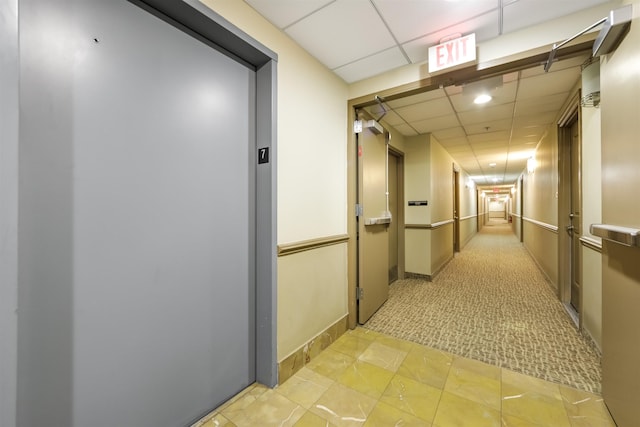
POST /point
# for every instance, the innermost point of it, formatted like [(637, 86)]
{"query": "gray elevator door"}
[(146, 242)]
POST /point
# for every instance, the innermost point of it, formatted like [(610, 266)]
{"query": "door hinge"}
[(359, 294), (358, 210)]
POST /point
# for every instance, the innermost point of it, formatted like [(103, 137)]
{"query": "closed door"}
[(393, 208), (373, 234), (138, 210), (575, 218)]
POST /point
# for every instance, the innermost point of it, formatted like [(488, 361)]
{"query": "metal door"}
[(137, 205), (373, 236)]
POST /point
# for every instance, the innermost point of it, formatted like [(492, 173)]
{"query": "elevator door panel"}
[(157, 207)]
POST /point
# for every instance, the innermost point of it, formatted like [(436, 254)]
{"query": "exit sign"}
[(452, 53)]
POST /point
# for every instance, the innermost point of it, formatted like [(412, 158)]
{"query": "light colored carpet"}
[(491, 303)]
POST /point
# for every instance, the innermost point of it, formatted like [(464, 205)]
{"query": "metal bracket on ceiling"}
[(616, 26), (380, 102)]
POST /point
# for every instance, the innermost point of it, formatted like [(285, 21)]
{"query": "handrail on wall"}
[(614, 233)]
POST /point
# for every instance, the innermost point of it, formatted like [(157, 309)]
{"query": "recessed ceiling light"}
[(482, 99), (492, 165)]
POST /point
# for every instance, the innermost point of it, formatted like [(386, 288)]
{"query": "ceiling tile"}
[(451, 133), (437, 123), (406, 130), (501, 137), (372, 65), (495, 125), (548, 84), (525, 13), (485, 27), (426, 110), (343, 32), (484, 114), (282, 13), (412, 19)]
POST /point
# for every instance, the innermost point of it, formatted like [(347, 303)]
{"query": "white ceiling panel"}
[(481, 115), (501, 138), (283, 13), (426, 110), (548, 84), (437, 123), (372, 65), (409, 20), (451, 133), (493, 125), (525, 13), (485, 27), (343, 32)]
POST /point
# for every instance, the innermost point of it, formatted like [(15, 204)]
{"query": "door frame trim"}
[(570, 115), (202, 23)]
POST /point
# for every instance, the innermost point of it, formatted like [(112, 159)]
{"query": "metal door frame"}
[(207, 26)]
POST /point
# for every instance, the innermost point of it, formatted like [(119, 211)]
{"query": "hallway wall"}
[(429, 229), (591, 214), (541, 206)]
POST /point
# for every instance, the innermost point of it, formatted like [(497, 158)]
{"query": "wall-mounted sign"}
[(418, 203), (452, 53)]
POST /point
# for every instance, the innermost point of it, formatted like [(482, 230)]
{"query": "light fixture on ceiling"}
[(492, 165), (531, 165), (483, 98)]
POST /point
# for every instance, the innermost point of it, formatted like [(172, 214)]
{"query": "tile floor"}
[(370, 379)]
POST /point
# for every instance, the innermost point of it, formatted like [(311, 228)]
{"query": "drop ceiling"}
[(357, 39)]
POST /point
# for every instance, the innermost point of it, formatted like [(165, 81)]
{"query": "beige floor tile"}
[(477, 367), (270, 409), (514, 383), (386, 415), (242, 400), (585, 409), (331, 363), (366, 378), (214, 420), (366, 333), (312, 420), (412, 397), (383, 356), (427, 366), (305, 387), (343, 406), (474, 386), (351, 344), (536, 408), (454, 411), (513, 421), (396, 343)]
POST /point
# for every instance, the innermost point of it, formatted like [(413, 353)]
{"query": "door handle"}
[(569, 229)]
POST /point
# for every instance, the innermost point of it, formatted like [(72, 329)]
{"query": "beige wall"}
[(541, 206), (429, 176), (591, 214), (312, 191)]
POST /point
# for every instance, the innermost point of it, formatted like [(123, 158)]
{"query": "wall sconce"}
[(531, 165)]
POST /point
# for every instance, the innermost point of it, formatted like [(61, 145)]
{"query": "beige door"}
[(373, 233), (456, 211), (393, 208), (620, 91)]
